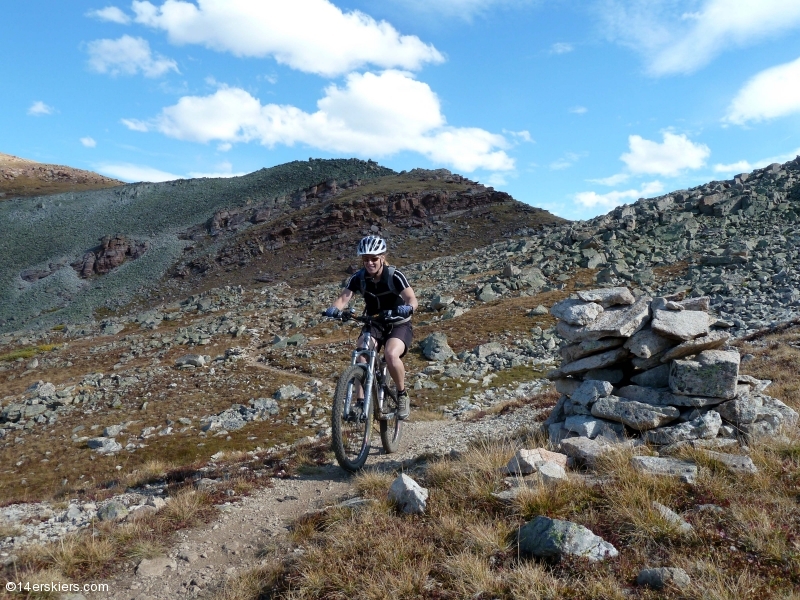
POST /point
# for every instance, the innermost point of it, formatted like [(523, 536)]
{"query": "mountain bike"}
[(365, 391)]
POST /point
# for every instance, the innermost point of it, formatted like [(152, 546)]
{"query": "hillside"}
[(217, 383), (69, 255), (22, 178)]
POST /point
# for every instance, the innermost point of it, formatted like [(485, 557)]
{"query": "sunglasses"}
[(370, 259)]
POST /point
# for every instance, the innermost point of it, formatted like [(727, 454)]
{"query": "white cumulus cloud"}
[(314, 36), (224, 169), (561, 48), (741, 166), (88, 142), (675, 154), (111, 14), (522, 136), (128, 56), (566, 161), (372, 115), (614, 199), (39, 108), (682, 36), (772, 93), (132, 172), (612, 180)]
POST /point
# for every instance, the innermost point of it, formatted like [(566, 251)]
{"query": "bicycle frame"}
[(371, 356)]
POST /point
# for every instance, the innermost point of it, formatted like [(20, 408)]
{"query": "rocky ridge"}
[(45, 236), (20, 177)]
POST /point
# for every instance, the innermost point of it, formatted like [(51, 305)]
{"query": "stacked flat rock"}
[(653, 369)]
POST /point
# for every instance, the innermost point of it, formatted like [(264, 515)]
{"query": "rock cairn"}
[(654, 369)]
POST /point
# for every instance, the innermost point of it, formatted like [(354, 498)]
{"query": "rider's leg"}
[(394, 349)]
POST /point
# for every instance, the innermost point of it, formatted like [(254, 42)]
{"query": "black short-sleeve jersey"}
[(378, 296)]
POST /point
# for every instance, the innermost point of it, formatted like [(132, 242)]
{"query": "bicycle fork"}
[(369, 367)]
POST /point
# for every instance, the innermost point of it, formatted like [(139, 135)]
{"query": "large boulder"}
[(680, 325), (584, 450), (742, 409), (596, 361), (553, 539), (607, 297), (590, 391), (614, 322), (663, 397), (703, 427), (635, 415), (647, 343), (574, 352), (714, 373), (576, 312), (715, 339)]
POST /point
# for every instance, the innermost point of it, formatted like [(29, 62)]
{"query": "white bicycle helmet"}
[(372, 244)]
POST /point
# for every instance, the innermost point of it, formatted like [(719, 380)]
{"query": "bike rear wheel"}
[(351, 432), (391, 429)]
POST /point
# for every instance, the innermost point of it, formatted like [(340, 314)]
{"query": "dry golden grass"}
[(99, 551), (186, 509), (152, 470), (372, 483), (40, 586), (75, 556), (250, 584), (463, 547), (9, 531), (777, 358)]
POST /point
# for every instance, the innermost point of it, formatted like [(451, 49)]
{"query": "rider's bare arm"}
[(344, 299), (409, 297)]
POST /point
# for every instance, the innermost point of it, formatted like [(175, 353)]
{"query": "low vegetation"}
[(743, 543), (28, 352)]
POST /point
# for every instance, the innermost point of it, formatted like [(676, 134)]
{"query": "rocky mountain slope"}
[(22, 178), (68, 255), (232, 356)]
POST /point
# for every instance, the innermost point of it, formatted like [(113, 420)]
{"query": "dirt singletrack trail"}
[(244, 531)]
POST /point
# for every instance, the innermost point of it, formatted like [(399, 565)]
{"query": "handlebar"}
[(350, 315)]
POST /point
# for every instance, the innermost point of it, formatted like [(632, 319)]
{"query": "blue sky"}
[(573, 106)]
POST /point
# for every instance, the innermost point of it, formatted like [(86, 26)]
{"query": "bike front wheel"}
[(391, 429), (351, 432)]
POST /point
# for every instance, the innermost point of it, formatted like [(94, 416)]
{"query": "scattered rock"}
[(663, 578), (408, 495), (155, 567), (655, 465), (434, 347), (553, 539)]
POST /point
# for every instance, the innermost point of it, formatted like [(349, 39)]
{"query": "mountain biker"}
[(386, 291)]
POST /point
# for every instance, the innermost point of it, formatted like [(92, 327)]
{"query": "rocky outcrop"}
[(112, 252)]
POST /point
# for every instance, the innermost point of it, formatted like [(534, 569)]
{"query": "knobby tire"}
[(392, 429), (351, 435)]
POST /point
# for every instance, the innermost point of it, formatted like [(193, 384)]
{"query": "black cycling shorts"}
[(403, 332)]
